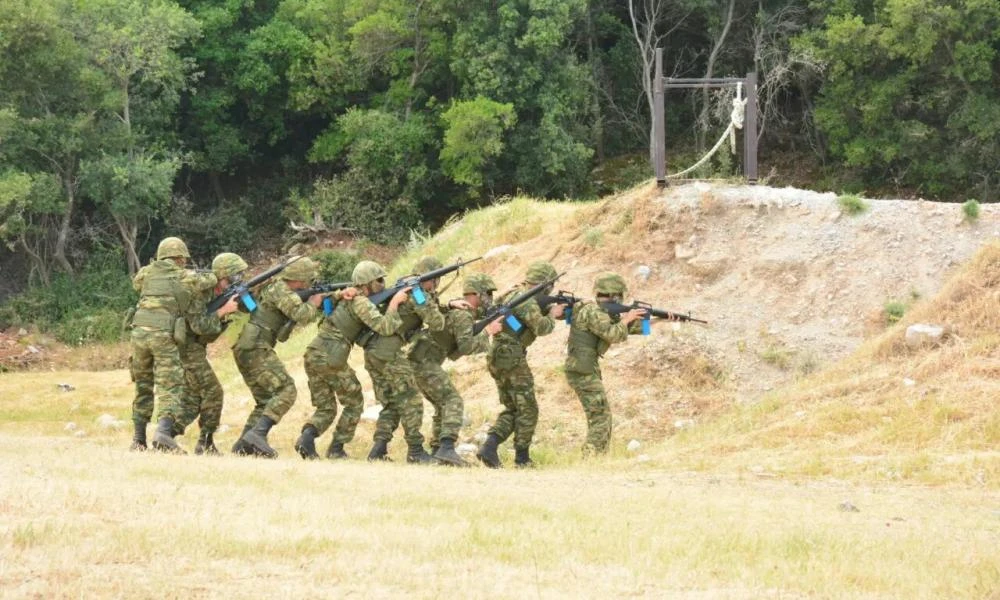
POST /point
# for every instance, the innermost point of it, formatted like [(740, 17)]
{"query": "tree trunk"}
[(128, 229), (62, 236), (709, 70)]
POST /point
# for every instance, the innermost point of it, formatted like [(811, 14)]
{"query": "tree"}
[(473, 138)]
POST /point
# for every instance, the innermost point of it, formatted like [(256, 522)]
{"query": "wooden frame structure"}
[(660, 85)]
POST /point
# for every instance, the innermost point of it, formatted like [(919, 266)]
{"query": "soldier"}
[(392, 375), (594, 330), (330, 377), (204, 392), (158, 328), (429, 350), (279, 309), (508, 364)]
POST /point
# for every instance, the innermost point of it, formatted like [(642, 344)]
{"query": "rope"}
[(735, 122)]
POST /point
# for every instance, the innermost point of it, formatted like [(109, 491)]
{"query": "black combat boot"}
[(416, 455), (256, 438), (336, 451), (488, 452), (522, 459), (445, 454), (306, 444), (206, 443), (163, 438), (241, 448), (139, 437), (380, 451)]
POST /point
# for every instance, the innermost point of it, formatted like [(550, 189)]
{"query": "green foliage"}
[(336, 265), (221, 229), (473, 136), (593, 237), (852, 204), (87, 307), (971, 210), (894, 311)]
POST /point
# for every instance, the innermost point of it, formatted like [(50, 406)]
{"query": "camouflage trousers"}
[(156, 363), (436, 386), (590, 390), (203, 400), (516, 387), (330, 379), (272, 388), (396, 391)]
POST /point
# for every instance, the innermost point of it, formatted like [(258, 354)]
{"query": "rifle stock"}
[(414, 281), (506, 310), (242, 289)]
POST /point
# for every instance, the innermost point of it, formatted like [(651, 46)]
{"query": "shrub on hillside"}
[(971, 210), (852, 204), (336, 265)]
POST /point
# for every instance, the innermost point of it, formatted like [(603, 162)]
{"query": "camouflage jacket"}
[(276, 305), (453, 341), (534, 323), (591, 333), (412, 317)]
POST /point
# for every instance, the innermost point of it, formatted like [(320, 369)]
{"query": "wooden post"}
[(659, 128), (750, 129)]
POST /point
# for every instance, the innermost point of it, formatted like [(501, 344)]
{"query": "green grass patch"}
[(852, 204)]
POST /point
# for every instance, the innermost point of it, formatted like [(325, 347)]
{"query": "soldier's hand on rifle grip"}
[(398, 299), (348, 293), (316, 300), (232, 305), (633, 315), (494, 327), (459, 303), (556, 311)]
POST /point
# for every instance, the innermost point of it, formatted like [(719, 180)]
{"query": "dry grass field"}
[(794, 448)]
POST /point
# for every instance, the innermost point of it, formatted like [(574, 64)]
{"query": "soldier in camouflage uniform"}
[(330, 377), (158, 328), (591, 333), (429, 350), (279, 309), (392, 375), (204, 392), (508, 364)]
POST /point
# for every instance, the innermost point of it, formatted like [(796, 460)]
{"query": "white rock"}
[(922, 334), (909, 382), (683, 423), (633, 446), (223, 429), (79, 433), (642, 458), (33, 350), (496, 251), (466, 448), (69, 426), (800, 414), (22, 332), (643, 272), (65, 387), (480, 437), (371, 413), (107, 421)]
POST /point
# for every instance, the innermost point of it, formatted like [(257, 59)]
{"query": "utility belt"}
[(162, 321)]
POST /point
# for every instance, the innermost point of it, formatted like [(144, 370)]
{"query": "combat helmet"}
[(172, 247), (228, 265), (539, 272), (610, 284), (478, 283), (427, 264), (303, 269), (366, 272)]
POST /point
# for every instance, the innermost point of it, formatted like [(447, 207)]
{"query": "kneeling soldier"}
[(591, 333), (278, 310)]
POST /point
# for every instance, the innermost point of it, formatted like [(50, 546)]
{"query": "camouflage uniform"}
[(392, 374), (155, 352), (203, 399), (273, 389), (427, 355), (591, 333), (330, 377), (508, 364)]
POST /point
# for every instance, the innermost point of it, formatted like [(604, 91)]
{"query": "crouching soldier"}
[(279, 309), (592, 332), (429, 350), (508, 364), (330, 377), (392, 374), (158, 329), (204, 392)]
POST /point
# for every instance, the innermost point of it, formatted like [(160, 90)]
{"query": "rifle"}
[(413, 282), (565, 298), (241, 289), (324, 288), (616, 308), (507, 310)]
